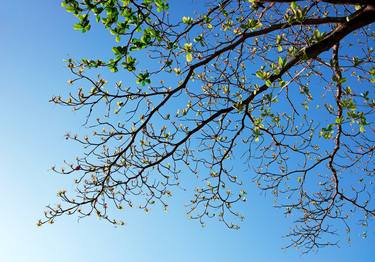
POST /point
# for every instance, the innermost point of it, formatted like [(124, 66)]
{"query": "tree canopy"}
[(284, 87)]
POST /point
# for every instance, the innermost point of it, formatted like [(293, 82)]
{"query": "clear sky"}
[(35, 38)]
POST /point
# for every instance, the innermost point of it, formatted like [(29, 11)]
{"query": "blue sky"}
[(35, 38)]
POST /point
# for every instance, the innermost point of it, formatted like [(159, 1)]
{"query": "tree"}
[(284, 87)]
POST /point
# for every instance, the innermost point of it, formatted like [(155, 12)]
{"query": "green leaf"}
[(259, 74), (293, 6), (189, 57), (70, 9), (188, 47), (338, 120), (77, 27)]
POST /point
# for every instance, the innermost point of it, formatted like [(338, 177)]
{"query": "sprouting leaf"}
[(187, 20), (189, 57)]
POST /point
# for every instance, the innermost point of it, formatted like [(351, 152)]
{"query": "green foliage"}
[(143, 78)]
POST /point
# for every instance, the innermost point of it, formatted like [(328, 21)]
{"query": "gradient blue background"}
[(35, 37)]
